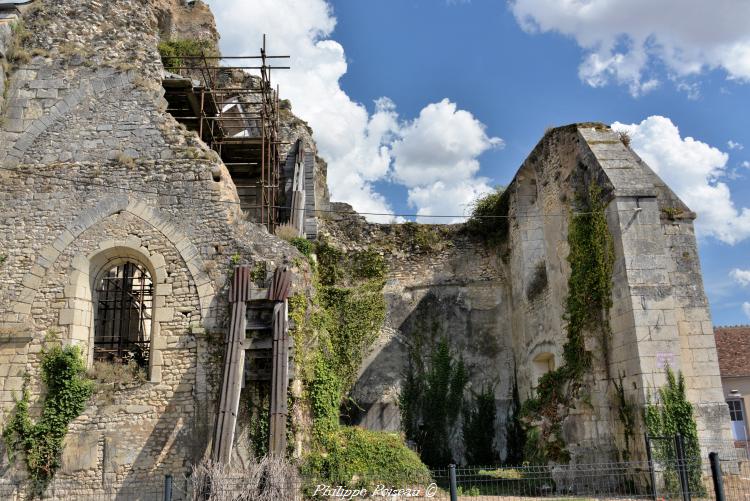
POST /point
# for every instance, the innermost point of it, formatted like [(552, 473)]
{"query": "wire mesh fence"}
[(685, 479)]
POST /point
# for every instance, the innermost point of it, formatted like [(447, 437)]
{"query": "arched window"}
[(124, 300), (543, 363)]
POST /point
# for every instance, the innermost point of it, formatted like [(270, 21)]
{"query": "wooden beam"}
[(234, 368)]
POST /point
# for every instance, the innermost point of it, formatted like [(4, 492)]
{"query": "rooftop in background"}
[(733, 349)]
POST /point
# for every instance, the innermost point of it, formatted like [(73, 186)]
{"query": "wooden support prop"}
[(234, 367), (279, 293)]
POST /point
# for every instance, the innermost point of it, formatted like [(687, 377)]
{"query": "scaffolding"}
[(240, 123)]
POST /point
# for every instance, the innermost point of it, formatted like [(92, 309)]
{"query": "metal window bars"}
[(124, 300), (240, 123)]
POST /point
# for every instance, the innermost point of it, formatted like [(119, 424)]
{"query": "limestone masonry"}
[(95, 174)]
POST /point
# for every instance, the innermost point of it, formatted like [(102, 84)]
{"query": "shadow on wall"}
[(441, 313)]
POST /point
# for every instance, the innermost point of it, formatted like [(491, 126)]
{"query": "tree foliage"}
[(431, 401)]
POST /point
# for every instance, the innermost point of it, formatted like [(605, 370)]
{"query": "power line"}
[(333, 211)]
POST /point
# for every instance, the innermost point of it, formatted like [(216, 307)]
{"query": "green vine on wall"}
[(333, 330), (63, 371), (587, 306), (626, 413), (672, 414)]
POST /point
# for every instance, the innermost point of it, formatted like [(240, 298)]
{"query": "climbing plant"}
[(671, 414), (63, 371), (336, 325), (431, 400), (587, 306), (259, 406), (626, 413)]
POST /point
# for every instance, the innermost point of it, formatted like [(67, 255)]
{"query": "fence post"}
[(167, 487), (452, 477), (682, 467), (713, 458), (650, 466)]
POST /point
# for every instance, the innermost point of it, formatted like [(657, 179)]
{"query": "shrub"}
[(489, 217), (479, 429), (173, 51), (672, 415), (303, 245), (430, 401), (356, 457)]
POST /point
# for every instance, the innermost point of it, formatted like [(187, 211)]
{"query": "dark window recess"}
[(124, 300), (735, 410)]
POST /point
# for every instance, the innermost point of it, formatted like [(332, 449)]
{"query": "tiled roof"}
[(733, 347)]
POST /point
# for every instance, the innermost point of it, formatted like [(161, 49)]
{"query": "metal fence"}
[(725, 476)]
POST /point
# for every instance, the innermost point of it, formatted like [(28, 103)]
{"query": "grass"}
[(116, 373)]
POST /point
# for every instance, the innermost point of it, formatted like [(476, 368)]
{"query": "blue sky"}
[(421, 105)]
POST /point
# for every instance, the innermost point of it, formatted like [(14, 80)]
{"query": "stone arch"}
[(104, 208), (95, 86), (78, 314)]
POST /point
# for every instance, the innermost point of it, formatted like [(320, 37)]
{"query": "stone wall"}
[(504, 307), (94, 172), (441, 284)]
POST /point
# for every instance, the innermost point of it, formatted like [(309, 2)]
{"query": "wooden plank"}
[(234, 368), (279, 381)]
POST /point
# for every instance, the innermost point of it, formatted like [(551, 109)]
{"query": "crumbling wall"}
[(503, 307), (440, 284), (93, 170)]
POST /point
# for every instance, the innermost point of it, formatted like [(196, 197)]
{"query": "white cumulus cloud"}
[(693, 170), (360, 146), (624, 40), (742, 277), (733, 145), (746, 308), (436, 157)]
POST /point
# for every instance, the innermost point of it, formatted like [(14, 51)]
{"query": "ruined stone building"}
[(107, 191)]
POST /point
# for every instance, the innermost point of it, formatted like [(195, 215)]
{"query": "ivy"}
[(626, 413), (259, 409), (63, 371), (333, 330), (431, 400), (587, 306), (670, 415)]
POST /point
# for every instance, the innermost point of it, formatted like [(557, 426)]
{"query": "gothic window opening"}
[(124, 305)]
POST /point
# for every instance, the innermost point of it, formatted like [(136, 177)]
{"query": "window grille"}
[(124, 300)]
